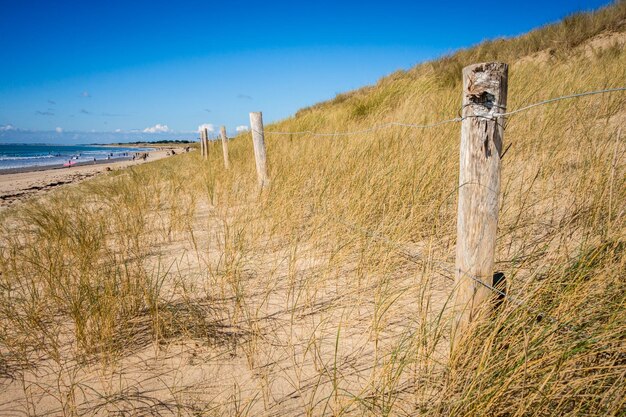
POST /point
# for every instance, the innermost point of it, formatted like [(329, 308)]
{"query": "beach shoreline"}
[(39, 168), (18, 184)]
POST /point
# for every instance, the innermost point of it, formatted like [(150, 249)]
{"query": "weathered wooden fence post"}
[(225, 147), (484, 94), (206, 143), (202, 143), (258, 140)]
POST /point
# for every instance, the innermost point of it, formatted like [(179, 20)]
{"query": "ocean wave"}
[(20, 158)]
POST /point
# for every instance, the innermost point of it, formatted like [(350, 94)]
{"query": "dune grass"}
[(179, 288)]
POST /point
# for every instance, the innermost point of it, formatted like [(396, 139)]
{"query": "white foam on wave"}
[(20, 158)]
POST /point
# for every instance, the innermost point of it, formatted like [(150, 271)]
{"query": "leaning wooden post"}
[(206, 143), (484, 95), (225, 147), (258, 140)]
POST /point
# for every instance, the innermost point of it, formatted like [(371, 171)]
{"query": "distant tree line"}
[(160, 141), (139, 142)]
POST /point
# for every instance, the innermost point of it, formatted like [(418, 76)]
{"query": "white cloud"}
[(59, 130), (207, 126), (157, 128), (242, 128), (7, 127), (118, 130)]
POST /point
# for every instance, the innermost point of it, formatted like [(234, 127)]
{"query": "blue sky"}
[(86, 71)]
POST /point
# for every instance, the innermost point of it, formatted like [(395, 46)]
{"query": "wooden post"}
[(225, 147), (206, 143), (202, 143), (258, 140), (484, 93)]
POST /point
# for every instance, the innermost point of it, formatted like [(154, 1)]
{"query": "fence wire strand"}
[(451, 269), (368, 130), (443, 122), (552, 100)]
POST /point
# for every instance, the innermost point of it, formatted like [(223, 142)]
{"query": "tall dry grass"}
[(178, 287)]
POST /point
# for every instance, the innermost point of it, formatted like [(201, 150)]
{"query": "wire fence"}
[(494, 115), (448, 267)]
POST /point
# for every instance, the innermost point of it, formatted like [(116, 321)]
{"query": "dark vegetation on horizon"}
[(149, 142)]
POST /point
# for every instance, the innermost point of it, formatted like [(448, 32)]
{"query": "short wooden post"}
[(206, 143), (225, 147), (202, 143), (258, 140), (484, 94)]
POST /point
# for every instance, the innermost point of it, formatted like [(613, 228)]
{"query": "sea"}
[(36, 155)]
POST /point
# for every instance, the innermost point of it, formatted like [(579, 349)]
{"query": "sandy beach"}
[(20, 184)]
